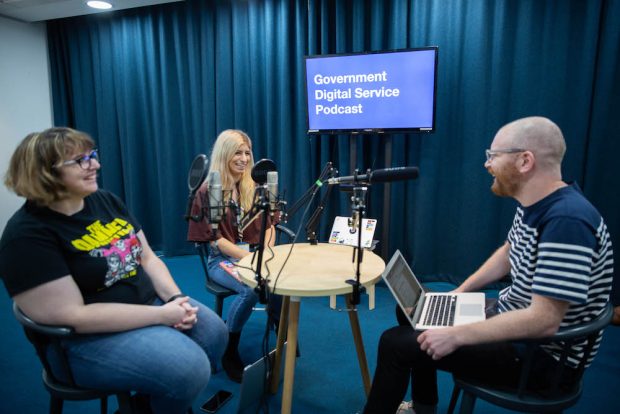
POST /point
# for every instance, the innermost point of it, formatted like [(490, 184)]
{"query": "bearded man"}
[(559, 257)]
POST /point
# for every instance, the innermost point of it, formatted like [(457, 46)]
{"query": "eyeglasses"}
[(492, 153), (84, 161)]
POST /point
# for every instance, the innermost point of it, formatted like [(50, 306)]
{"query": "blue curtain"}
[(155, 85)]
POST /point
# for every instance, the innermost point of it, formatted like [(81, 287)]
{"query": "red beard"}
[(506, 183)]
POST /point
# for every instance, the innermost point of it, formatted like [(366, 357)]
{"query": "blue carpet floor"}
[(327, 376)]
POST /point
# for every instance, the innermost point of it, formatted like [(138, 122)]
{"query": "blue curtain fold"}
[(155, 85)]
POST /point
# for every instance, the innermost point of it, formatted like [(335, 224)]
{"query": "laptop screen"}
[(404, 285)]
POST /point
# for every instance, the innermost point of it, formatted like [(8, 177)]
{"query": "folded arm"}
[(60, 302)]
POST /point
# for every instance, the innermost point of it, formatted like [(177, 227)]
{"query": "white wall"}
[(25, 98)]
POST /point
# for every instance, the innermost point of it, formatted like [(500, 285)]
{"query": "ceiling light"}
[(103, 5)]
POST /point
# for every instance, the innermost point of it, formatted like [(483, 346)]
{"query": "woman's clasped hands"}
[(180, 314)]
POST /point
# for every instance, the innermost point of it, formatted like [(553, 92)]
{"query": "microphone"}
[(215, 198), (272, 190), (353, 222), (385, 175), (358, 200)]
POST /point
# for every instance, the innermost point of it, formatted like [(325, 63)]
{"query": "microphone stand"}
[(261, 283), (327, 172), (359, 210), (313, 221), (199, 217)]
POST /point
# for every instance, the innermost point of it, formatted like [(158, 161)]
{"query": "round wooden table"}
[(311, 270)]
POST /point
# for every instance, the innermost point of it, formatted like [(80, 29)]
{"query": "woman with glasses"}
[(74, 255), (232, 158)]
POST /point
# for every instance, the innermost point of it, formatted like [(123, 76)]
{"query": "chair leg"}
[(219, 306), (55, 405), (124, 403), (104, 405), (453, 400), (467, 403)]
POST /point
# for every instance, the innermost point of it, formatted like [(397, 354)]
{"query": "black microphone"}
[(379, 176), (215, 198), (272, 190)]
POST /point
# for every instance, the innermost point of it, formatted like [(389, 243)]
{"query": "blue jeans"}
[(171, 366), (240, 309)]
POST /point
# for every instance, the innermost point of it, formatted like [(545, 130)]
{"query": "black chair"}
[(220, 292), (523, 399), (44, 336)]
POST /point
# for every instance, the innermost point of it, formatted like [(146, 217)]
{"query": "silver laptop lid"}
[(255, 378), (408, 292)]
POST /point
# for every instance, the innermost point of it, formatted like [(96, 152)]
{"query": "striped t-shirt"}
[(560, 248)]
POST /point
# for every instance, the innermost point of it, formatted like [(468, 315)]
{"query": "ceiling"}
[(39, 10)]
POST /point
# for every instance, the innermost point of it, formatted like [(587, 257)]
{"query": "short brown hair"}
[(32, 169)]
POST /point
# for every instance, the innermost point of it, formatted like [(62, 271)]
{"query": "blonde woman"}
[(232, 158)]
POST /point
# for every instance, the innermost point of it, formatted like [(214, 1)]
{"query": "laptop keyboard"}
[(441, 310)]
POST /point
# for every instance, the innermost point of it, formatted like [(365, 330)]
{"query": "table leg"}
[(275, 373), (371, 297), (291, 348), (359, 344)]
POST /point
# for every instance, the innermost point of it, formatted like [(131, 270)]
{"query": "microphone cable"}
[(264, 403), (265, 341)]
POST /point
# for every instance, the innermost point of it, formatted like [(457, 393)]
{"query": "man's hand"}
[(438, 342)]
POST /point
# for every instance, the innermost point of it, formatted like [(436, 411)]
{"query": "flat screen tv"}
[(377, 92)]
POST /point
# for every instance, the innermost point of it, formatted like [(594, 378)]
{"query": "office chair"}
[(524, 400), (42, 336)]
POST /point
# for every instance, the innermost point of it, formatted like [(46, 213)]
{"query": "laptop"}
[(429, 310), (342, 233), (255, 377)]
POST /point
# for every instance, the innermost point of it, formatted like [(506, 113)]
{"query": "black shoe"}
[(140, 404), (231, 361), (232, 364)]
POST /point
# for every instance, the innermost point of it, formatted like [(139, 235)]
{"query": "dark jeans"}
[(400, 359)]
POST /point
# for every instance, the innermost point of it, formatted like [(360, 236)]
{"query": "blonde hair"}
[(32, 169), (226, 144)]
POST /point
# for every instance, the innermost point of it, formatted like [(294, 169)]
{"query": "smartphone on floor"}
[(216, 401)]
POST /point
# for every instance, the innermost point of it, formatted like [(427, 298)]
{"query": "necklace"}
[(237, 209)]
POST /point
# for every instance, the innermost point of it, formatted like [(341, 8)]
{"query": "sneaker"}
[(405, 407)]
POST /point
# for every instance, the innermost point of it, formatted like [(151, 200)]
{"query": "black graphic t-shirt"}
[(97, 246)]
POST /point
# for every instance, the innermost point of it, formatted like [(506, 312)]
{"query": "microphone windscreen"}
[(395, 174), (260, 170), (197, 172)]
